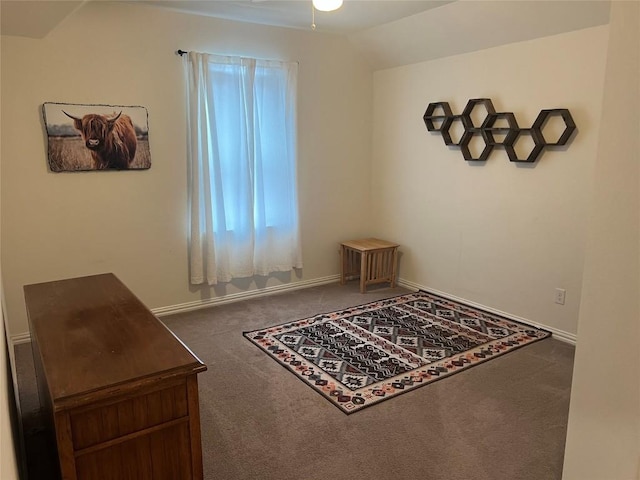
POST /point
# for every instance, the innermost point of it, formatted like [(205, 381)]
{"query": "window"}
[(242, 155)]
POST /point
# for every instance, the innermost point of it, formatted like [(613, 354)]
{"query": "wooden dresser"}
[(120, 389)]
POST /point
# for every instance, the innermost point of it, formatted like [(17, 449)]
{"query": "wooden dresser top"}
[(96, 338)]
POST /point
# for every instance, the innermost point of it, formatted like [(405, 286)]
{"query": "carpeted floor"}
[(502, 420)]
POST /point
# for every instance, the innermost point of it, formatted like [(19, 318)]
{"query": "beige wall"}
[(8, 450), (498, 234), (603, 438), (8, 460), (134, 223), (8, 464)]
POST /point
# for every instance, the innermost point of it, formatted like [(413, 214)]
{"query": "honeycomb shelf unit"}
[(496, 129)]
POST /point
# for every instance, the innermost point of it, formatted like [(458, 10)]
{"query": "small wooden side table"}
[(373, 260)]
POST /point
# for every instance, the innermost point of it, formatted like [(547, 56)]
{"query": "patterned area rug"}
[(363, 355)]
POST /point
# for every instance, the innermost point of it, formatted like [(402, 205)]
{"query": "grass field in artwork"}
[(69, 154)]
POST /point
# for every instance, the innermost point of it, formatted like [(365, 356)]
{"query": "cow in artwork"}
[(111, 139)]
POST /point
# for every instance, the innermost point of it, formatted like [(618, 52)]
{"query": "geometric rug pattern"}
[(360, 356)]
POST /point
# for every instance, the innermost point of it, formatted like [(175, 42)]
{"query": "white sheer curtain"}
[(241, 147)]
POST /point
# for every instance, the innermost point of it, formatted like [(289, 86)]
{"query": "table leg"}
[(394, 267), (364, 260)]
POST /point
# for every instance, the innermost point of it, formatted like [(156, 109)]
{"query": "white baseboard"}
[(20, 338), (236, 297), (557, 334)]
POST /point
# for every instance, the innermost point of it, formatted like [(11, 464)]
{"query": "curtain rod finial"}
[(181, 52)]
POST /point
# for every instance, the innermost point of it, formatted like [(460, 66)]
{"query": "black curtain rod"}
[(183, 52)]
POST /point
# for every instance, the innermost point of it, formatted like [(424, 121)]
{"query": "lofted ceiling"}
[(353, 16), (36, 19), (388, 33)]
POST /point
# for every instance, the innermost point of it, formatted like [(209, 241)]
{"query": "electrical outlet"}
[(560, 295)]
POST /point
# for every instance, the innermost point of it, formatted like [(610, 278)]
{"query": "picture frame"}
[(96, 137)]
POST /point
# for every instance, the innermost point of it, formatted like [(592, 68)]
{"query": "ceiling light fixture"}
[(327, 5), (324, 6)]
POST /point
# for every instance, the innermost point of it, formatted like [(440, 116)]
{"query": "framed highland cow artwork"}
[(96, 137)]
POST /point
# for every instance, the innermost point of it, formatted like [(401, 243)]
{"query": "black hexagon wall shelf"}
[(438, 117), (477, 104), (466, 151), (429, 117), (569, 125), (489, 129), (446, 128), (536, 150)]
